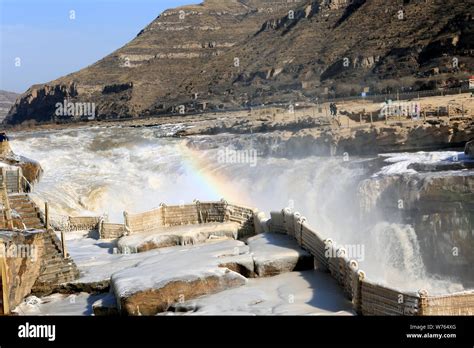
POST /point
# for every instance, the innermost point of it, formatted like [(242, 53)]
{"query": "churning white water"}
[(109, 170)]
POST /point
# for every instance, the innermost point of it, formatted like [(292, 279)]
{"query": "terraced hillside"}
[(227, 53)]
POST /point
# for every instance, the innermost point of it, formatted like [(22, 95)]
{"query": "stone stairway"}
[(55, 269), (12, 178), (27, 209)]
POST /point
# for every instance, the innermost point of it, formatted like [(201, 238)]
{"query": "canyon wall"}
[(439, 207)]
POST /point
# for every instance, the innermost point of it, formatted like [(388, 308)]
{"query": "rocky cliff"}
[(439, 206), (227, 53), (7, 99), (305, 137), (31, 169)]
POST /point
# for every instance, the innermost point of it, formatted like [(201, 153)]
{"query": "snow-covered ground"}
[(178, 235), (398, 163), (96, 259), (178, 264), (277, 253), (295, 293), (59, 304)]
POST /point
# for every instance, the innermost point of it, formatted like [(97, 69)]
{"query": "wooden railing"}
[(368, 297), (190, 214), (109, 230)]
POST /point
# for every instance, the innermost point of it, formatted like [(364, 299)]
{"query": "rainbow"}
[(210, 178)]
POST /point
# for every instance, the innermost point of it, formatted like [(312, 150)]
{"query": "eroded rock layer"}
[(230, 53)]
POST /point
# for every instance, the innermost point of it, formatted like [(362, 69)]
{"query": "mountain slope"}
[(342, 51), (146, 71), (7, 99), (225, 53)]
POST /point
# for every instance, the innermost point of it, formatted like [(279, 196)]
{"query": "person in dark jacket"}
[(333, 109)]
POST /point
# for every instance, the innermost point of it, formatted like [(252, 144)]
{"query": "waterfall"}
[(109, 170), (396, 247)]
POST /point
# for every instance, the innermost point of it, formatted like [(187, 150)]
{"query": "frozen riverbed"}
[(295, 293), (292, 293)]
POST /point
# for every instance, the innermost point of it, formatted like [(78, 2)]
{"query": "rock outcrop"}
[(34, 263), (295, 293), (440, 208), (308, 139), (228, 53), (274, 254), (7, 99), (31, 169), (162, 279), (172, 278), (23, 255)]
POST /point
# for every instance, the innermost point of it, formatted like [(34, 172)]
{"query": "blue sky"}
[(49, 44)]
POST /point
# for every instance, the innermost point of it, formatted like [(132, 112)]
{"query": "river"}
[(95, 171)]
